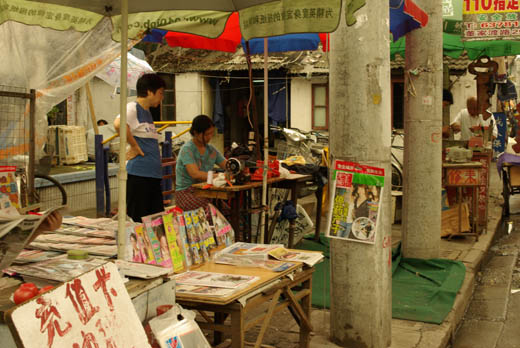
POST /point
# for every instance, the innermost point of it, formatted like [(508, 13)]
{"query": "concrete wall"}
[(301, 101), (193, 96)]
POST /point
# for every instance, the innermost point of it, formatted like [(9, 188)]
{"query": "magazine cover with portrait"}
[(354, 205)]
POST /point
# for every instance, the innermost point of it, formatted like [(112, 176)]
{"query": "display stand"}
[(465, 175)]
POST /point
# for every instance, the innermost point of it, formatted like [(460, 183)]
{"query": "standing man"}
[(468, 120), (143, 188)]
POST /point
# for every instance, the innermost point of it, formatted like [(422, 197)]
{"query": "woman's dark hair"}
[(149, 82), (200, 124)]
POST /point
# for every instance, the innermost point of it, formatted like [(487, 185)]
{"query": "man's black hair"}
[(101, 122), (149, 82), (200, 124), (447, 96)]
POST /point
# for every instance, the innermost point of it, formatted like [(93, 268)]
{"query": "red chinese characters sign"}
[(90, 311), (463, 176), (490, 19)]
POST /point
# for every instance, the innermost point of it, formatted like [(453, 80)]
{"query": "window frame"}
[(326, 106)]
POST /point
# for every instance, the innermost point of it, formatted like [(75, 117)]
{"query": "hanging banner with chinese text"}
[(92, 310), (354, 207), (490, 19)]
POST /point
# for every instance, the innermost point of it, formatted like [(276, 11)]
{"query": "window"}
[(320, 106), (168, 103)]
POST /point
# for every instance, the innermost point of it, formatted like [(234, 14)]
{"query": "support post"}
[(100, 175), (421, 225), (359, 94), (167, 170)]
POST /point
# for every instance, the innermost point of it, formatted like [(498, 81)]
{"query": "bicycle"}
[(397, 145)]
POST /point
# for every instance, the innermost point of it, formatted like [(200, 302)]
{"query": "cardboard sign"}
[(92, 310)]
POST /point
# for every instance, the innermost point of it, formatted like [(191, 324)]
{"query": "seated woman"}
[(195, 159)]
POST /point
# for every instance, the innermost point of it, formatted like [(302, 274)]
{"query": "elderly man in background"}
[(469, 120)]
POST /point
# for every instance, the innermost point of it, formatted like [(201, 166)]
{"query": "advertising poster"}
[(490, 20), (355, 201)]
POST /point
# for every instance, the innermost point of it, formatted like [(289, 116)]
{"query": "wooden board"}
[(92, 310), (266, 277)]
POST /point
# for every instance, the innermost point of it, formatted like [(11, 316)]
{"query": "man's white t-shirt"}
[(466, 121)]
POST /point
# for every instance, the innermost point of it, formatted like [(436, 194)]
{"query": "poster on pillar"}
[(355, 205)]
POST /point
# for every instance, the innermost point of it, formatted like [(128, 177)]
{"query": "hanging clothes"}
[(218, 108), (277, 91)]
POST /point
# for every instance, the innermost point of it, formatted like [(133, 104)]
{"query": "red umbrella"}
[(229, 40)]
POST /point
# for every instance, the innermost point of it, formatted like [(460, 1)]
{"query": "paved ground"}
[(493, 317)]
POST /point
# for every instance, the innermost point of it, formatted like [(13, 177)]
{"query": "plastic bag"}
[(177, 329)]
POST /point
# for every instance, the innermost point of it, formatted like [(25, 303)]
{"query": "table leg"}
[(475, 212), (237, 326), (217, 335), (319, 198), (235, 217), (305, 331), (292, 223)]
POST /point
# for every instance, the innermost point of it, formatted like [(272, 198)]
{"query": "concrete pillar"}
[(360, 130), (423, 138)]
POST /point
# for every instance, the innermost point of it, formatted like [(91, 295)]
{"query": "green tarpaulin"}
[(453, 46), (422, 290)]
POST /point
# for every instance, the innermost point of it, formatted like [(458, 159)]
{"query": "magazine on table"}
[(193, 240), (309, 258), (258, 251), (144, 245), (100, 250), (240, 261), (203, 244), (219, 280), (140, 270), (60, 269), (150, 233), (204, 290), (355, 203), (28, 256), (175, 243), (180, 226), (221, 227), (15, 232)]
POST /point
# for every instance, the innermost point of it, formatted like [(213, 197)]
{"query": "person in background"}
[(101, 122), (447, 100), (196, 158), (468, 120), (143, 188)]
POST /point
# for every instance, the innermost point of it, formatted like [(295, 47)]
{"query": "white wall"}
[(464, 87), (106, 102), (193, 96), (301, 101)]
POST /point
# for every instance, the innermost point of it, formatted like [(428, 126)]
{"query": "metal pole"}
[(32, 145), (266, 141), (122, 141)]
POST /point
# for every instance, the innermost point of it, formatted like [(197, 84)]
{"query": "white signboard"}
[(91, 311)]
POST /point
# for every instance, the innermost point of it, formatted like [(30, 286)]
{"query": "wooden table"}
[(294, 183), (465, 175), (275, 288)]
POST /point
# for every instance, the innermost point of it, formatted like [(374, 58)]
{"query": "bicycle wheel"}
[(48, 191), (397, 178)]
